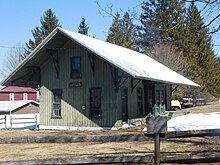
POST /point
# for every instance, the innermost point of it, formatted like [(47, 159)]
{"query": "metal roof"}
[(136, 64), (17, 89)]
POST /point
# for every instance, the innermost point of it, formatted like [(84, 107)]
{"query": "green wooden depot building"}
[(86, 83)]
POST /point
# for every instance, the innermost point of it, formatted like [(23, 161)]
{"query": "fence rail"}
[(13, 121), (25, 121), (3, 121), (183, 134)]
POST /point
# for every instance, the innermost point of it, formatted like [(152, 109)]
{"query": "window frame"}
[(11, 96), (25, 96), (56, 112), (75, 73), (98, 112), (140, 102)]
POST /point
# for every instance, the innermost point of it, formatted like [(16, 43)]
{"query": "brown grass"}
[(209, 107), (170, 147)]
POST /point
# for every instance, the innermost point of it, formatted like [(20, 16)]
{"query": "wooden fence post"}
[(156, 125), (35, 122), (157, 148), (11, 122), (5, 123)]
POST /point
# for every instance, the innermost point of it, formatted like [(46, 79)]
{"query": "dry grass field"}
[(169, 147), (209, 107)]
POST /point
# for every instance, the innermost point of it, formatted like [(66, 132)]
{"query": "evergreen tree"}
[(83, 27), (160, 21), (218, 61), (115, 34), (48, 23), (203, 67), (168, 22), (122, 31)]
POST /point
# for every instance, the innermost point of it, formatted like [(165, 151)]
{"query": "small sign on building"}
[(75, 84)]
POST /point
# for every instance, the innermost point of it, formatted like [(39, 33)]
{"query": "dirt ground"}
[(169, 147)]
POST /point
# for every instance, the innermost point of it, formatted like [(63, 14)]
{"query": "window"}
[(75, 67), (95, 102), (11, 96), (57, 96), (139, 101), (25, 96)]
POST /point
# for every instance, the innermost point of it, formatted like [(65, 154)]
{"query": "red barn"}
[(14, 93)]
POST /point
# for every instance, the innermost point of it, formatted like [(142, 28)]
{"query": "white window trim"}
[(25, 96), (11, 96)]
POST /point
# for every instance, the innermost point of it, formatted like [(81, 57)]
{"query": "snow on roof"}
[(190, 122), (17, 89), (8, 106), (136, 64), (1, 87)]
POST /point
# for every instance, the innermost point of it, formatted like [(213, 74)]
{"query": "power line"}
[(15, 47), (10, 47)]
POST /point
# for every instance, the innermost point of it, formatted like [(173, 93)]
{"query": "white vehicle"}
[(175, 104)]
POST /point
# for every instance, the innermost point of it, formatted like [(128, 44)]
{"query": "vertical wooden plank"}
[(157, 149), (35, 122), (5, 122), (11, 122)]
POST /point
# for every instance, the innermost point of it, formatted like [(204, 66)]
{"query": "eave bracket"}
[(134, 85), (118, 79), (92, 62), (55, 56)]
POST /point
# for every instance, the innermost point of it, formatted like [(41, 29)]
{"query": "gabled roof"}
[(17, 89), (9, 106), (136, 64)]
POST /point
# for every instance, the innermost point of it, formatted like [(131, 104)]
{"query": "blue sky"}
[(19, 17)]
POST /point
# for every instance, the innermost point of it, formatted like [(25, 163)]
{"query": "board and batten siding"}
[(74, 97)]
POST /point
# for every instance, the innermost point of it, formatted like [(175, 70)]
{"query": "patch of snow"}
[(195, 122), (145, 129), (126, 126)]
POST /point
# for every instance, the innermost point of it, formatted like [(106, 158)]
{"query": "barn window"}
[(139, 101), (25, 96), (75, 63), (11, 96), (57, 96), (95, 102)]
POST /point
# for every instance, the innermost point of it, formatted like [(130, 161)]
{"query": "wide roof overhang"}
[(135, 64)]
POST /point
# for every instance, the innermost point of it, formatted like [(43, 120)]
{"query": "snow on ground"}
[(195, 122), (189, 122)]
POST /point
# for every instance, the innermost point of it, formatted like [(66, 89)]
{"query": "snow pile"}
[(195, 122)]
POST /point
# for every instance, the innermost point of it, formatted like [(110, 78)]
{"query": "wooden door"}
[(124, 104)]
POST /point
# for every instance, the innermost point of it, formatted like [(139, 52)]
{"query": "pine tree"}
[(122, 31), (115, 34), (218, 60), (160, 21), (203, 67), (48, 23), (83, 27)]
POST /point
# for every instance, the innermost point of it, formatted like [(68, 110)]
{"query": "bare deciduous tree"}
[(169, 56), (12, 59)]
